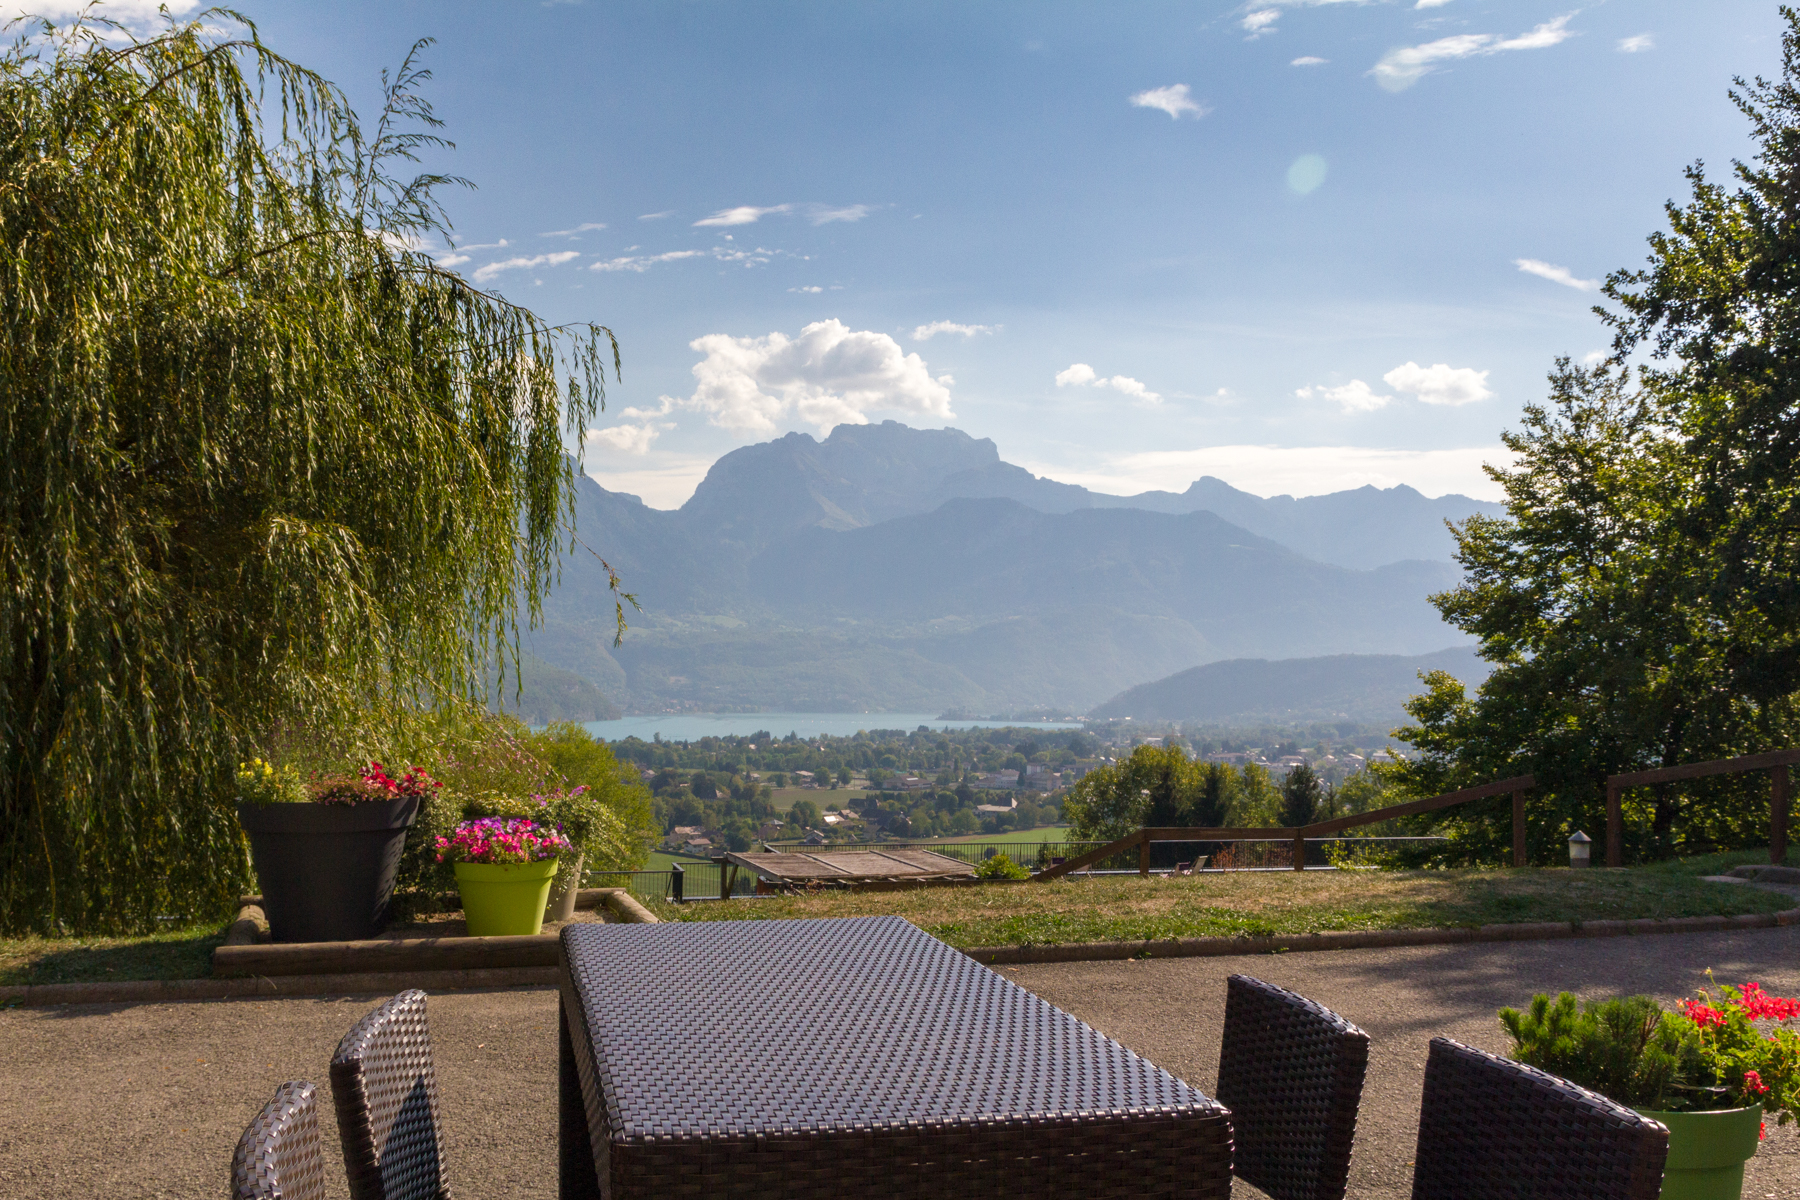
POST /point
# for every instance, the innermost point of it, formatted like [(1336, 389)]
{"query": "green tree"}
[(1301, 794), (805, 815), (1639, 600), (264, 466)]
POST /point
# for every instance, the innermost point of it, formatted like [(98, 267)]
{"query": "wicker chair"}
[(387, 1107), (1292, 1074), (279, 1157), (1490, 1128)]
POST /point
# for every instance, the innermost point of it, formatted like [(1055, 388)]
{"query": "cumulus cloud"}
[(1173, 100), (1082, 375), (1309, 60), (627, 439), (126, 12), (1431, 4), (829, 375), (1260, 22), (1555, 274), (924, 333), (1404, 66), (584, 227), (1637, 43), (1439, 383), (487, 272), (743, 214), (1355, 396)]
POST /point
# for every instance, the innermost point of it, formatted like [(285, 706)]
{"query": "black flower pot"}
[(327, 870)]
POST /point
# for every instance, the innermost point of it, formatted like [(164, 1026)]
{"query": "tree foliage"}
[(264, 466), (1640, 600), (1162, 786)]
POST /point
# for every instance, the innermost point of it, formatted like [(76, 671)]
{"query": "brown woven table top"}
[(766, 1033)]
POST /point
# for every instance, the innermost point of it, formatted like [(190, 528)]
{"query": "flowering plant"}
[(1711, 1053), (502, 840), (373, 783), (261, 782)]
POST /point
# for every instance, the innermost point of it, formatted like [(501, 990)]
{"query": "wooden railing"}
[(1775, 762), (1143, 838)]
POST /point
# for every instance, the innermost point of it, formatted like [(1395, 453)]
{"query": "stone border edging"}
[(152, 991), (1220, 947)]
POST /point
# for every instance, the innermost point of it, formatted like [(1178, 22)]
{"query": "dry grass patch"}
[(1249, 904)]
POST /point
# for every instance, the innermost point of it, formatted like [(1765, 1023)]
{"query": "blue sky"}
[(1279, 243)]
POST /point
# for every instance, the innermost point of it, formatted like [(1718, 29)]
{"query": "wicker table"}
[(851, 1058)]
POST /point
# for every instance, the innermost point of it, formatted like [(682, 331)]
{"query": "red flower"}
[(1703, 1015), (1754, 1085)]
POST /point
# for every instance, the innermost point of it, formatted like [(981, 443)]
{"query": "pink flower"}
[(1754, 1085)]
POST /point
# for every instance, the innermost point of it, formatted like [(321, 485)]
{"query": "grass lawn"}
[(180, 954), (1043, 833), (1128, 908)]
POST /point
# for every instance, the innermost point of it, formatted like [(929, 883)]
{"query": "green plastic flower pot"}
[(1707, 1151), (499, 899)]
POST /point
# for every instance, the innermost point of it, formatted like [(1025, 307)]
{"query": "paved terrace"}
[(149, 1100)]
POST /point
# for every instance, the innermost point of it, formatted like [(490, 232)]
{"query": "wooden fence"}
[(1142, 838), (1775, 762)]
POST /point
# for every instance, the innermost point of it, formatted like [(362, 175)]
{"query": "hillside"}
[(1371, 688), (851, 573)]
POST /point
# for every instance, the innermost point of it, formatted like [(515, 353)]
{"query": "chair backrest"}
[(387, 1106), (1291, 1071), (279, 1156), (1490, 1127)]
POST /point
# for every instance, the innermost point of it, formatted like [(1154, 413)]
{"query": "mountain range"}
[(887, 568)]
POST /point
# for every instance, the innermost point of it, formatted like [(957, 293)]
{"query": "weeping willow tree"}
[(263, 464)]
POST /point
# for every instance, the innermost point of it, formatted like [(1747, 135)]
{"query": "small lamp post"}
[(1580, 846)]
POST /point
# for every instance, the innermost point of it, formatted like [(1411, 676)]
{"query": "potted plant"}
[(327, 850), (1710, 1072), (591, 827), (504, 869)]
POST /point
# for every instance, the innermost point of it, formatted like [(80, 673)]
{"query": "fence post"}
[(675, 882), (1299, 850), (1615, 825), (1518, 799), (1778, 813), (1144, 855)]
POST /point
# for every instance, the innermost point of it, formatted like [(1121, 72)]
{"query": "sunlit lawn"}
[(1129, 908)]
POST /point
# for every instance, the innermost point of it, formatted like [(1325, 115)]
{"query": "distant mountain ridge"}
[(854, 573), (861, 475), (1360, 687)]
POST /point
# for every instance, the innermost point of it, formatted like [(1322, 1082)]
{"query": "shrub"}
[(1000, 866)]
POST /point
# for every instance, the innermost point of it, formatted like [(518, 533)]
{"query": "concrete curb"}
[(1219, 947), (155, 991)]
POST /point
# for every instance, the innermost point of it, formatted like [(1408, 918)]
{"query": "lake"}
[(691, 727)]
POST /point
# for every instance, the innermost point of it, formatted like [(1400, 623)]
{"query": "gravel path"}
[(149, 1100)]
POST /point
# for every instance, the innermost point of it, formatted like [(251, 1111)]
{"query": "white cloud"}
[(1173, 100), (1637, 43), (1355, 396), (811, 289), (1309, 60), (1404, 66), (584, 227), (499, 245), (924, 333), (1082, 375), (451, 260), (657, 216), (639, 263), (1440, 383), (1555, 274), (1593, 356), (819, 214), (128, 12), (1290, 470), (1260, 22), (643, 262), (744, 214), (1430, 4), (627, 439), (487, 272), (829, 375)]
